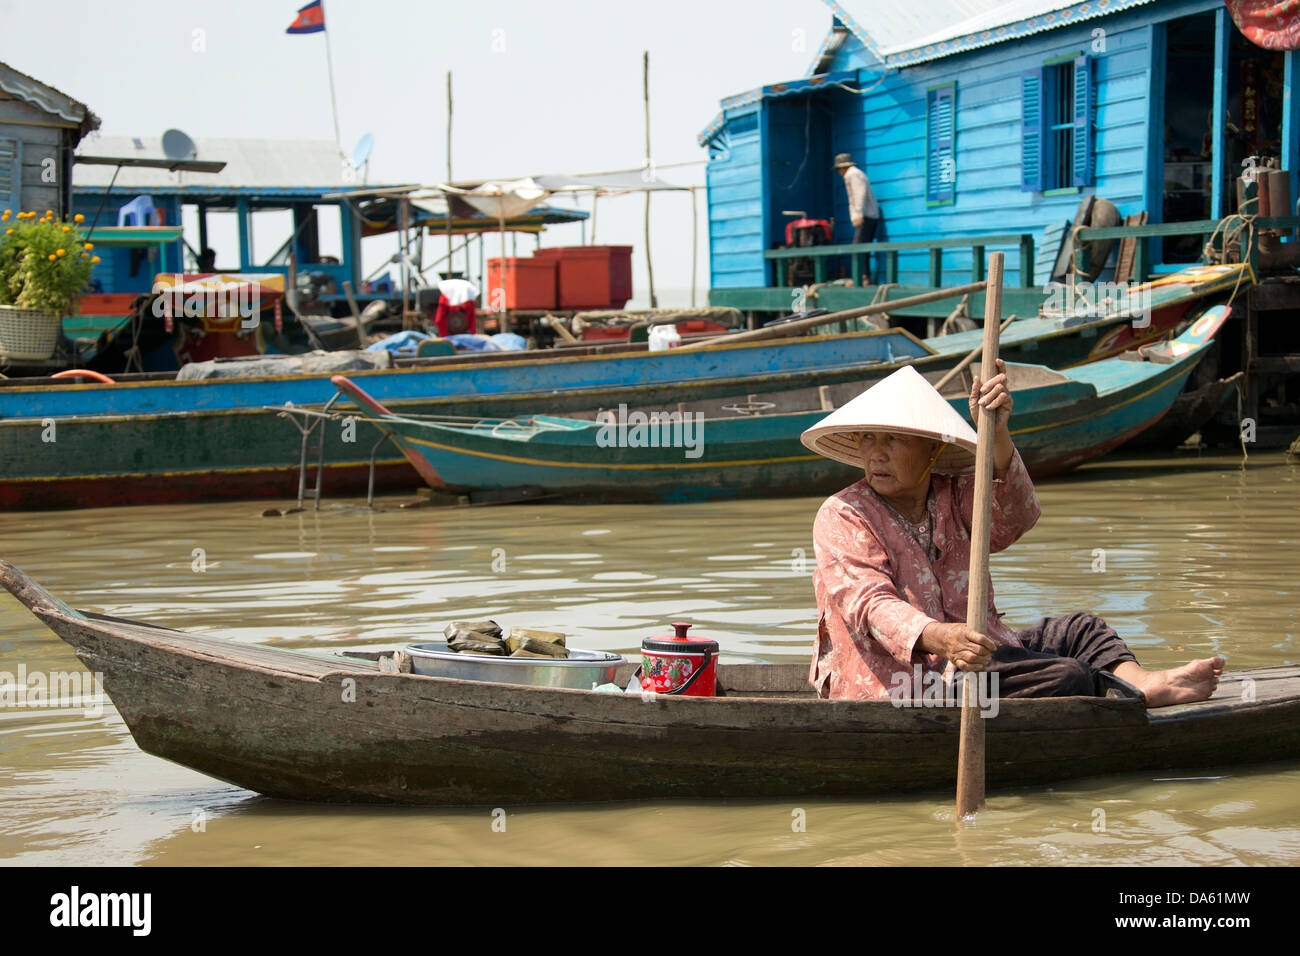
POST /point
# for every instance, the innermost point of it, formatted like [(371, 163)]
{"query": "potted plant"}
[(44, 267)]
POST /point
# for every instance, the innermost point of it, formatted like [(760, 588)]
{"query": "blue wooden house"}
[(973, 117)]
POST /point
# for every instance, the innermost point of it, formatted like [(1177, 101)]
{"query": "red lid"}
[(679, 641)]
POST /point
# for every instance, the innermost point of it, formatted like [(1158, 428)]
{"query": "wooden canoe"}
[(731, 449), (311, 726)]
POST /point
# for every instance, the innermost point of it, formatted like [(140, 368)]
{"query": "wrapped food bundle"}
[(476, 637), (528, 642), (485, 638)]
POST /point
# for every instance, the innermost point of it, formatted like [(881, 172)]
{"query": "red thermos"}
[(677, 664)]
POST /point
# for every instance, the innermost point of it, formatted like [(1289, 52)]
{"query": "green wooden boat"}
[(750, 448)]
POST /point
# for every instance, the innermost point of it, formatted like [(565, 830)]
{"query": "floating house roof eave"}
[(900, 35), (42, 96), (805, 84)]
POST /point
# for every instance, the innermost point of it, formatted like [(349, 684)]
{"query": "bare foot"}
[(1180, 685)]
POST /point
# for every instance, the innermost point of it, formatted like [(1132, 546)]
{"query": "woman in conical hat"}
[(893, 559)]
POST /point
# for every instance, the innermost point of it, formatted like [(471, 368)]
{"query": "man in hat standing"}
[(893, 561), (864, 211)]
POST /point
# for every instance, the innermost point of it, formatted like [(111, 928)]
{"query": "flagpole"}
[(329, 63)]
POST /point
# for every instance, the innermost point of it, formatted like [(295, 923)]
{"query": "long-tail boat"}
[(1059, 421), (344, 729)]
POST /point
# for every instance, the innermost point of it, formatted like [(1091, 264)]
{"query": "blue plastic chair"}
[(138, 212)]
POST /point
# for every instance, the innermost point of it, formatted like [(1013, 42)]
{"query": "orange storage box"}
[(522, 284), (591, 277)]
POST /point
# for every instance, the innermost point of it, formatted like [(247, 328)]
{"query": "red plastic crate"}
[(597, 334), (106, 303), (525, 284), (591, 277)]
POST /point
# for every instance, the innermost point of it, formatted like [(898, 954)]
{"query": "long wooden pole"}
[(404, 213), (451, 263), (970, 753), (356, 313), (802, 325), (695, 238), (645, 89)]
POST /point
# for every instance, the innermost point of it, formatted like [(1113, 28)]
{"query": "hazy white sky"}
[(539, 86)]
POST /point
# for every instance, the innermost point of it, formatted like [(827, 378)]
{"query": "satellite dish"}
[(177, 145), (361, 152)]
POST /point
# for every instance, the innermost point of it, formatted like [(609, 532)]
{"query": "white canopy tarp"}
[(501, 199), (506, 198)]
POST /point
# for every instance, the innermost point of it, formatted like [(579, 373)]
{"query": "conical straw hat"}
[(903, 403)]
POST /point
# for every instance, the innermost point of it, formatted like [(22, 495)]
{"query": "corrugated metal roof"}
[(901, 34), (250, 163)]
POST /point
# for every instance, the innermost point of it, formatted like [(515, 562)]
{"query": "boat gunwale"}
[(176, 642)]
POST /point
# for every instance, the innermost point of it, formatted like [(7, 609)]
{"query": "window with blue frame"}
[(940, 140), (1056, 105)]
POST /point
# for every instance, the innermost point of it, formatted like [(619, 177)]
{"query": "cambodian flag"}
[(310, 19)]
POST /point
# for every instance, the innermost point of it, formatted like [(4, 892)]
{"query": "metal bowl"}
[(582, 670)]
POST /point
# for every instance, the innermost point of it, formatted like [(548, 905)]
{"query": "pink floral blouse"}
[(876, 589)]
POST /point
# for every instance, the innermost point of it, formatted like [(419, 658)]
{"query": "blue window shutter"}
[(1082, 122), (11, 174), (941, 158), (1031, 130)]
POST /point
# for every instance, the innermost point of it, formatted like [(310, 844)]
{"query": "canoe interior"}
[(320, 727), (747, 680)]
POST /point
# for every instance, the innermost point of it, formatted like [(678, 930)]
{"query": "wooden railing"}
[(860, 250), (1205, 228)]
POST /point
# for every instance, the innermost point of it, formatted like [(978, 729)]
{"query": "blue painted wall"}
[(113, 273), (885, 130), (735, 189)]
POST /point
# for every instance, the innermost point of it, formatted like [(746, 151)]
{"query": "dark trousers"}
[(865, 233), (1061, 657)]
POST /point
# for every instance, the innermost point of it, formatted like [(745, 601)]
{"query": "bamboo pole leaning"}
[(802, 325), (971, 356)]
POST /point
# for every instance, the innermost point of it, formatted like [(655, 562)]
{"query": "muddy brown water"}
[(1185, 556)]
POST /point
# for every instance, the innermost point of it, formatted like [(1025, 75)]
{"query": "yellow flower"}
[(88, 246), (67, 229), (60, 252), (85, 255), (9, 232), (7, 214), (53, 257), (49, 212), (94, 258), (78, 218)]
